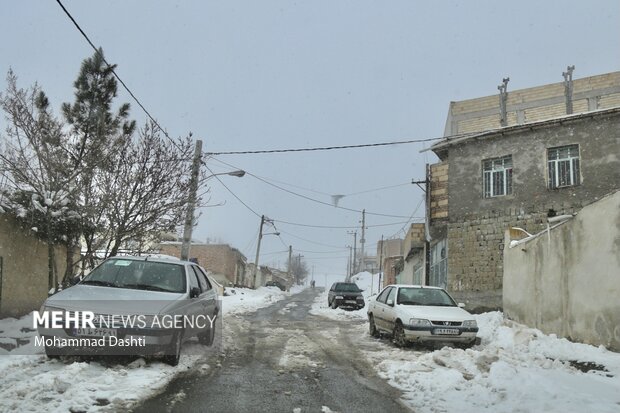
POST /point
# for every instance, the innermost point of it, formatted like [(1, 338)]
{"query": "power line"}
[(312, 199), (313, 242), (339, 227), (115, 74), (313, 190), (231, 192), (321, 202), (324, 148)]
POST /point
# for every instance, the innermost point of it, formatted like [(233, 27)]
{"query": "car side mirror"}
[(390, 303), (194, 292), (75, 280), (461, 305)]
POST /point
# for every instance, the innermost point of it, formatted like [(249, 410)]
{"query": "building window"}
[(497, 176), (563, 165)]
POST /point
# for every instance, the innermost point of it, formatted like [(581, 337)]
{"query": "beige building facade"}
[(533, 104)]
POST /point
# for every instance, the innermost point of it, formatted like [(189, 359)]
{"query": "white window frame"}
[(497, 176), (563, 169)]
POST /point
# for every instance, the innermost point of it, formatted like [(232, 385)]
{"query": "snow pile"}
[(516, 369), (364, 281), (244, 300)]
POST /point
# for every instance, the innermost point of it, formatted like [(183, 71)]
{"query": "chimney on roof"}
[(503, 98), (568, 88)]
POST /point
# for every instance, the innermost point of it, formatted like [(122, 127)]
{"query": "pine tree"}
[(99, 133)]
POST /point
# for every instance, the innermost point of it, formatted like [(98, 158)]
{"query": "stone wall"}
[(565, 281)]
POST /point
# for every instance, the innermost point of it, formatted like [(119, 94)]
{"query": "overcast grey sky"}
[(245, 75)]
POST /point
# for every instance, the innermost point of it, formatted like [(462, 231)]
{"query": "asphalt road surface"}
[(282, 359)]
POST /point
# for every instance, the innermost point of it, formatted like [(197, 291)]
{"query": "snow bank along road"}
[(283, 359)]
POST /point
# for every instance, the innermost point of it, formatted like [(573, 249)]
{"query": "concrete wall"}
[(476, 225), (567, 281), (533, 104), (24, 280)]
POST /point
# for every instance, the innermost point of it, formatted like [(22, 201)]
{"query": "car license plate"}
[(446, 331), (95, 332), (350, 301)]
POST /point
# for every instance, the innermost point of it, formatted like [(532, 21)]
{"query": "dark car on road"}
[(345, 295)]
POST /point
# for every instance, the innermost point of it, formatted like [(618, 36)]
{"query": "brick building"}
[(225, 262)]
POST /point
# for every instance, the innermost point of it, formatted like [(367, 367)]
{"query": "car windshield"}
[(347, 288), (139, 275), (424, 296)]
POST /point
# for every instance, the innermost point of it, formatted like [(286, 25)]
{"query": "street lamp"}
[(189, 217)]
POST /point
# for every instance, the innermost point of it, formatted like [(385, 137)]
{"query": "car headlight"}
[(419, 322), (360, 298), (470, 323), (339, 297)]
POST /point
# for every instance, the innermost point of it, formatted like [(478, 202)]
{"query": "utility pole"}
[(290, 262), (354, 233), (427, 230), (260, 236), (297, 278), (191, 202), (349, 269), (380, 264), (363, 240)]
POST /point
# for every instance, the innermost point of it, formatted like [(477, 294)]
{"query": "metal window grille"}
[(563, 166), (497, 176)]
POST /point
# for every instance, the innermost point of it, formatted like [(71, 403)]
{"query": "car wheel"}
[(372, 327), (174, 351), (399, 335), (207, 337), (334, 304)]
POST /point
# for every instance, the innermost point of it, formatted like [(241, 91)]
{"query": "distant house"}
[(24, 268), (227, 264), (413, 257), (389, 259)]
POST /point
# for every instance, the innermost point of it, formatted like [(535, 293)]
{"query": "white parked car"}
[(418, 314)]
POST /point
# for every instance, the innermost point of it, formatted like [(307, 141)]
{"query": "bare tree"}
[(299, 269), (146, 189), (43, 191)]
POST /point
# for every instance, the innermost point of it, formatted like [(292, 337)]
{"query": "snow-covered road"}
[(515, 369)]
